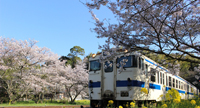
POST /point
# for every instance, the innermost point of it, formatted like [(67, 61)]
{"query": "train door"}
[(108, 80)]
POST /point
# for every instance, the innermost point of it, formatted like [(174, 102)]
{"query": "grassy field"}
[(47, 103), (169, 104)]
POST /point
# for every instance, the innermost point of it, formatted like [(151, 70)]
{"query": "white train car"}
[(105, 82)]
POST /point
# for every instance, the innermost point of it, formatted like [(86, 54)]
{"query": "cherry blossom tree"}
[(79, 82), (72, 80), (19, 66), (165, 27), (27, 69), (75, 80)]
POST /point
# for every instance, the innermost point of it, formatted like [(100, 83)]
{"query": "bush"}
[(74, 103)]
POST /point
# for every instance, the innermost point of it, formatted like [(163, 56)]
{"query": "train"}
[(107, 82)]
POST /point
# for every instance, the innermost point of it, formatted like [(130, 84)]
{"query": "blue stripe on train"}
[(167, 88), (126, 83), (190, 93), (154, 86), (180, 91), (135, 83), (94, 84)]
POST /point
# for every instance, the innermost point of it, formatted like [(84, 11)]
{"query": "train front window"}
[(128, 61), (108, 67), (95, 65)]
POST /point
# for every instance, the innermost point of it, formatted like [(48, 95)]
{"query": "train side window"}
[(146, 70), (141, 63), (188, 88), (182, 85), (176, 83), (163, 79), (153, 79), (153, 75), (160, 77), (166, 81), (179, 84), (170, 81), (173, 82), (134, 61)]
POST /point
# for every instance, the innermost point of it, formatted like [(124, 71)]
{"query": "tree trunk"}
[(26, 97)]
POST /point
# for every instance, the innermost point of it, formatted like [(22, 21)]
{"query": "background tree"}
[(62, 58), (73, 55), (26, 69), (158, 26), (19, 66), (79, 83)]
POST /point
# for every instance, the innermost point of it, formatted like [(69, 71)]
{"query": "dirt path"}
[(64, 106)]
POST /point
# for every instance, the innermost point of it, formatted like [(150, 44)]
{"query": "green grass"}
[(47, 103), (39, 104), (83, 102)]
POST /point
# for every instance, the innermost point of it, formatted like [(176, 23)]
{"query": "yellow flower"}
[(193, 102), (110, 102), (177, 101), (160, 96), (197, 106), (168, 97), (144, 90), (164, 106), (120, 106), (127, 105), (172, 94), (132, 104)]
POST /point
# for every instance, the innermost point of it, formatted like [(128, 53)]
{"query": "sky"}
[(56, 24)]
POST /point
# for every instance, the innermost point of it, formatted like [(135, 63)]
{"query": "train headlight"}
[(125, 50), (124, 93), (93, 55)]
